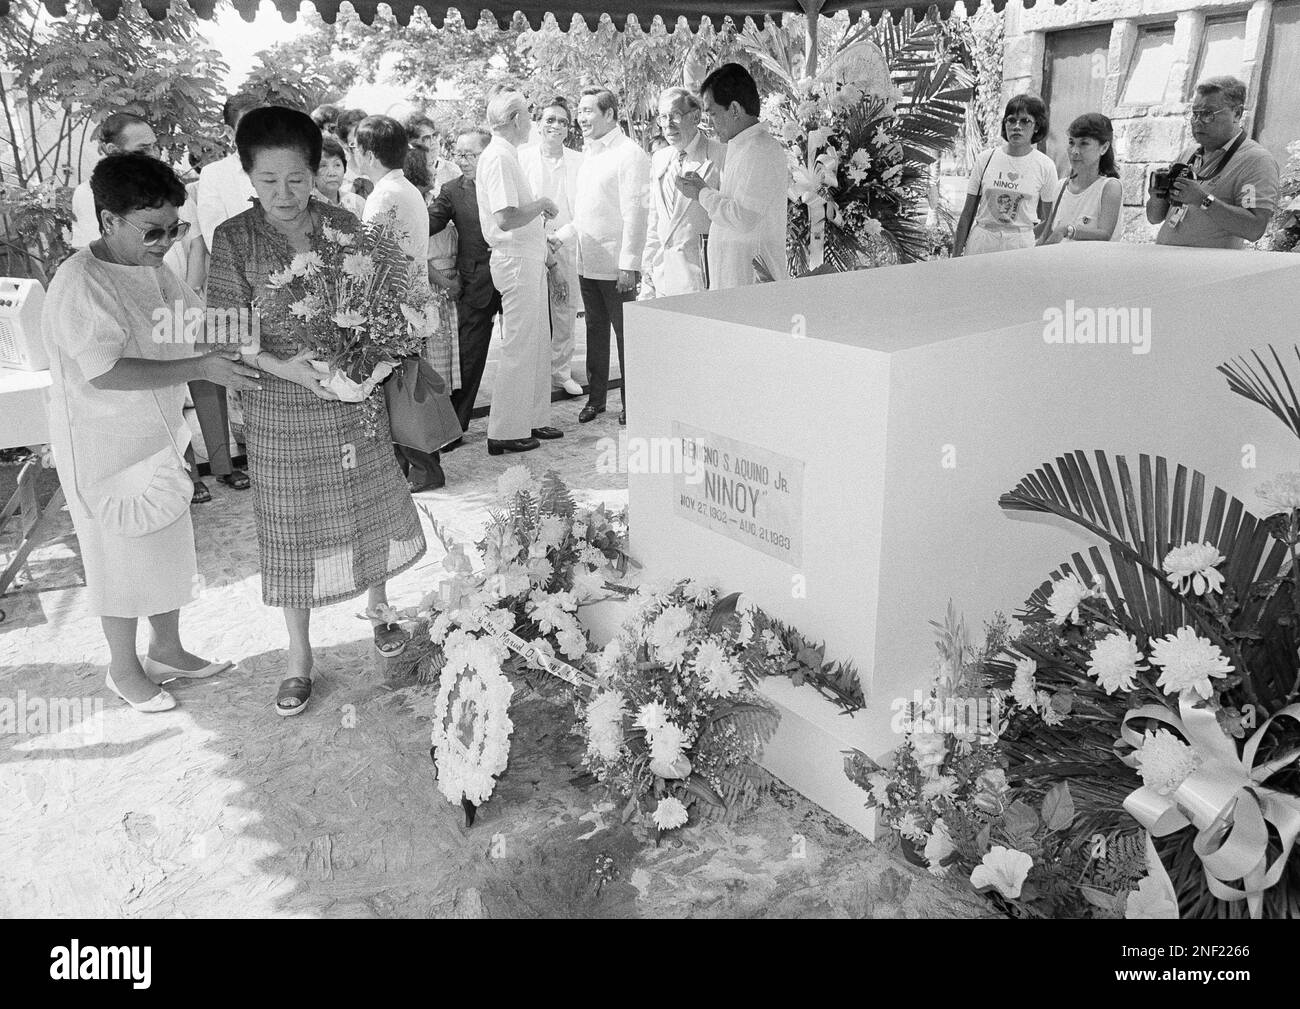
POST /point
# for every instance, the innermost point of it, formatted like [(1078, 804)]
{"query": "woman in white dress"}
[(121, 348), (1089, 204)]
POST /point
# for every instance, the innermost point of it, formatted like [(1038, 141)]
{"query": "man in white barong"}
[(552, 171), (513, 225), (677, 227), (747, 211), (224, 189)]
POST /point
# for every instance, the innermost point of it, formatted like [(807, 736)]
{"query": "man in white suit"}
[(677, 226), (552, 171), (512, 222)]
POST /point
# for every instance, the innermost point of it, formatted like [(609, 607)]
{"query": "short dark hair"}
[(330, 147), (560, 102), (346, 122), (386, 138), (416, 167), (732, 83), (475, 130), (606, 100), (1100, 129), (1232, 89), (1034, 106), (273, 127), (122, 183), (417, 122), (112, 128), (237, 105), (325, 116)]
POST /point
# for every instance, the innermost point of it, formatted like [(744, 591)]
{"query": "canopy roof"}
[(536, 10)]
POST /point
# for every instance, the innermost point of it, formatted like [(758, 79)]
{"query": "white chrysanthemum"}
[(551, 610), (880, 789), (1189, 662), (669, 814), (668, 634), (667, 744), (610, 655), (1165, 761), (573, 643), (1192, 567), (699, 592), (279, 278), (551, 530), (359, 265), (1023, 687), (1115, 662), (587, 584), (719, 670), (604, 719), (305, 263), (938, 846), (1067, 594), (942, 787), (300, 309), (652, 717), (910, 828), (1282, 493), (349, 320), (515, 480), (592, 556)]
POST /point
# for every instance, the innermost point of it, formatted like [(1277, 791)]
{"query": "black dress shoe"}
[(497, 446), (452, 446), (547, 433), (622, 416), (589, 412), (436, 482)]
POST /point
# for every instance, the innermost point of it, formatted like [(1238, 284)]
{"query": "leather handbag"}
[(419, 409)]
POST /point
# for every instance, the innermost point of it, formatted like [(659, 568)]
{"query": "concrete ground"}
[(221, 808)]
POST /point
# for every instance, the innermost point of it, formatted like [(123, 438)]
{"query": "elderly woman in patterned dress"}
[(334, 516)]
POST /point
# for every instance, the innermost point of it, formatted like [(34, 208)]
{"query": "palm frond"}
[(1262, 388)]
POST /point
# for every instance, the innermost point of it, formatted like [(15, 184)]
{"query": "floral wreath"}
[(471, 720)]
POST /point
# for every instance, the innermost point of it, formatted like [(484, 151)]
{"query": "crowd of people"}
[(488, 225)]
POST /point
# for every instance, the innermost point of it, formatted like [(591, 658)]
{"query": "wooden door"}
[(1074, 82)]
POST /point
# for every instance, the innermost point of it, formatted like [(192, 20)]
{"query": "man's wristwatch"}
[(1208, 202)]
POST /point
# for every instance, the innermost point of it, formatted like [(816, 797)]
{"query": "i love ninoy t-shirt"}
[(1010, 188)]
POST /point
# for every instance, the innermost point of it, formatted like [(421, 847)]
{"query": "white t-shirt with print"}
[(1010, 188)]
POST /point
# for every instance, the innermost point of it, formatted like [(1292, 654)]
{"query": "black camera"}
[(1163, 179)]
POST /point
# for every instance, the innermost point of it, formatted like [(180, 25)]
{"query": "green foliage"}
[(309, 70)]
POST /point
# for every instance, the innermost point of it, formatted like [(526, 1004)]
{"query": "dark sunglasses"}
[(158, 235)]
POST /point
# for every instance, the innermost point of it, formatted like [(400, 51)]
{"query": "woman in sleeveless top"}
[(1090, 202)]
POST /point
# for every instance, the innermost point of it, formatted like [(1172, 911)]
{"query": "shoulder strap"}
[(1056, 205), (979, 186)]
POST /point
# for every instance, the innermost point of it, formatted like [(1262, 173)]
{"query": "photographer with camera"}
[(1221, 193)]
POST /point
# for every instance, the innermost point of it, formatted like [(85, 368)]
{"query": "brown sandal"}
[(294, 688)]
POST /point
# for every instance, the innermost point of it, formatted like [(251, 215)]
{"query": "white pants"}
[(981, 240), (521, 391), (564, 319)]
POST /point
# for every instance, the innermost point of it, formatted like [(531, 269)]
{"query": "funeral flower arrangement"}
[(352, 305), (958, 813), (674, 721), (509, 604), (1161, 677)]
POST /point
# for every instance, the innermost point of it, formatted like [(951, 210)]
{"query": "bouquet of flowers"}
[(958, 812), (674, 721), (1283, 233), (353, 306), (1161, 677), (512, 606)]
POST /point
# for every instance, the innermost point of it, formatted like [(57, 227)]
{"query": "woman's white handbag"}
[(144, 498)]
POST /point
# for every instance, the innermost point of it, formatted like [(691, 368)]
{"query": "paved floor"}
[(220, 808)]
